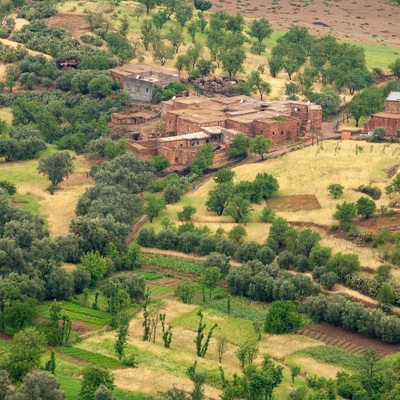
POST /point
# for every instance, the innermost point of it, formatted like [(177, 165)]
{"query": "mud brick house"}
[(192, 122), (388, 119), (139, 80)]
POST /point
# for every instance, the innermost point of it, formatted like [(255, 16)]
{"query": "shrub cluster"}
[(372, 191), (340, 311), (268, 282), (91, 39), (10, 54)]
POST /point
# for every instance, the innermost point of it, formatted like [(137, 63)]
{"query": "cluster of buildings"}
[(193, 121)]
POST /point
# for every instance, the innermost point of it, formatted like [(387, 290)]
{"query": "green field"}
[(93, 358), (173, 263), (87, 317)]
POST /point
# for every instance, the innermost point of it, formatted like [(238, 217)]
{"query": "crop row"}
[(94, 358)]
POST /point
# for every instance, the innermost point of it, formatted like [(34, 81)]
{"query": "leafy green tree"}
[(160, 163), (122, 335), (100, 86), (25, 352), (56, 166), (366, 103), (172, 194), (260, 145), (219, 197), (201, 345), (237, 233), (277, 233), (192, 29), (183, 13), (162, 52), (343, 264), (224, 175), (38, 385), (154, 206), (267, 214), (365, 207), (92, 378), (239, 209), (202, 5), (186, 290), (395, 68), (159, 19), (186, 214), (147, 30), (335, 190), (51, 363), (239, 146), (220, 260), (210, 279), (198, 380), (282, 317), (175, 36), (264, 186), (95, 264), (386, 295), (383, 273), (345, 213), (203, 160), (149, 4), (257, 84), (247, 353), (232, 60), (260, 29), (19, 314)]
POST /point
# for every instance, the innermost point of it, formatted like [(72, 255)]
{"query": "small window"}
[(281, 132), (207, 141), (177, 160), (192, 143), (180, 145), (197, 142), (147, 90), (273, 133)]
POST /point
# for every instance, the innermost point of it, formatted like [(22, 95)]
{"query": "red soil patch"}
[(359, 22), (294, 203), (77, 178), (347, 339), (377, 223), (4, 336), (77, 24)]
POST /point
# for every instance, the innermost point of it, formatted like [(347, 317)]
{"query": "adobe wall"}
[(299, 111), (315, 116), (392, 106), (170, 122), (165, 107), (143, 149), (391, 125), (243, 127), (277, 131), (184, 126)]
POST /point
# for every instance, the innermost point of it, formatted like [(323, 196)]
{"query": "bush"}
[(335, 190), (9, 187), (372, 191), (247, 251), (267, 214), (90, 39), (283, 317), (172, 194)]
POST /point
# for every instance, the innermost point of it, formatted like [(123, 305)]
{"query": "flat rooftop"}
[(393, 96), (137, 69), (188, 136), (386, 115)]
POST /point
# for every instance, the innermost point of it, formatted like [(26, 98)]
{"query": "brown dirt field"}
[(75, 23), (376, 223), (347, 339), (294, 203), (366, 21)]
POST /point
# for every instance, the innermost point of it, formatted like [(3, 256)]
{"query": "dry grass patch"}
[(316, 168), (280, 346), (313, 367), (146, 380), (31, 52), (5, 112)]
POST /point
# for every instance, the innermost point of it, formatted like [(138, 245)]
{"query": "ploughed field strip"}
[(341, 337), (294, 203)]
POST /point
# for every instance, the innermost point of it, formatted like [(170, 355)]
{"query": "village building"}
[(389, 118), (192, 122), (139, 80)]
